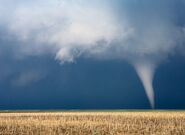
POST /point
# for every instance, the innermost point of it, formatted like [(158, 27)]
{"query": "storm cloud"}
[(142, 32)]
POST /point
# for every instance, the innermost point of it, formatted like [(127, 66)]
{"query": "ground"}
[(93, 123)]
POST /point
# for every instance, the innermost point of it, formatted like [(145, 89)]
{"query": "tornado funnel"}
[(145, 71)]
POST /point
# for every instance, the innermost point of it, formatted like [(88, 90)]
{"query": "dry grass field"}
[(93, 123)]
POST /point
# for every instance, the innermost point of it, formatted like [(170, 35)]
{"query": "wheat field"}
[(93, 123)]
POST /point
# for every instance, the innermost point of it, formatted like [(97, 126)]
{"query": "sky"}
[(84, 54)]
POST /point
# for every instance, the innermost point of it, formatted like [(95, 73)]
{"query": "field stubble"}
[(93, 123)]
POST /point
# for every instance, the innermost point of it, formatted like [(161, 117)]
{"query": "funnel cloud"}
[(145, 72), (144, 33)]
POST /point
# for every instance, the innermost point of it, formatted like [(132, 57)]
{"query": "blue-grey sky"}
[(84, 54)]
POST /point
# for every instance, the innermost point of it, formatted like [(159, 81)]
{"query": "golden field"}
[(93, 123)]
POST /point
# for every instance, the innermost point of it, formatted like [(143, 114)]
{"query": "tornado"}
[(145, 71)]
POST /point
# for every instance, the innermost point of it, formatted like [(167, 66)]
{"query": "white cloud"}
[(70, 28), (71, 24)]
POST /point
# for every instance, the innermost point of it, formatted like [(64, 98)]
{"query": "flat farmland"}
[(92, 123)]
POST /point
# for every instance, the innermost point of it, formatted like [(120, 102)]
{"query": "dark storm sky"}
[(92, 84), (73, 57)]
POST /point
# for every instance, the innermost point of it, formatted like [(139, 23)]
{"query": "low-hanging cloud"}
[(27, 78), (142, 32)]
